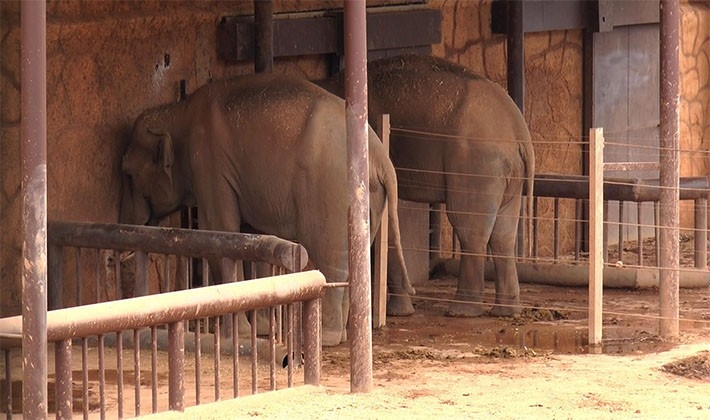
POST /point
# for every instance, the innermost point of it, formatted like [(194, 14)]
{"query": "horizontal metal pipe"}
[(165, 308), (186, 242), (578, 275), (620, 189)]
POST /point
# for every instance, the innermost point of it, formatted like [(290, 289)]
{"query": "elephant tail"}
[(389, 180), (528, 154)]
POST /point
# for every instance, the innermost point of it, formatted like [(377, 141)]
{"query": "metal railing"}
[(104, 324), (621, 190)]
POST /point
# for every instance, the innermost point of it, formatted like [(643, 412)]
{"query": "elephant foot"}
[(333, 337), (509, 309), (466, 310), (400, 305)]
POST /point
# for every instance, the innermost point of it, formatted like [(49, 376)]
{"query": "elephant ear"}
[(164, 153)]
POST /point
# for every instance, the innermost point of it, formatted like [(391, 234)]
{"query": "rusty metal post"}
[(34, 211), (669, 251), (516, 85), (263, 36), (516, 53), (311, 342), (63, 381), (176, 366), (360, 323)]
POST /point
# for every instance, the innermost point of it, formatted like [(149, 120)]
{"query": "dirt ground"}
[(534, 366)]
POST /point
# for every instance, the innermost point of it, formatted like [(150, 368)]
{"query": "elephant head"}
[(154, 184)]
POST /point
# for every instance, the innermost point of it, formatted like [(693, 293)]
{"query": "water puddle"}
[(571, 340)]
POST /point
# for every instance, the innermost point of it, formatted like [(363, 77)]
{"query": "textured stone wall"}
[(695, 91), (106, 62)]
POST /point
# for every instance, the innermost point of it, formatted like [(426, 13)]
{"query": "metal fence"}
[(166, 325)]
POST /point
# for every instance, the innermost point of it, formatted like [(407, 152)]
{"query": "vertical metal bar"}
[(516, 53), (605, 229), (8, 384), (54, 277), (657, 229), (102, 378), (85, 377), (79, 279), (141, 277), (535, 222), (298, 337), (272, 348), (620, 233), (578, 236), (556, 228), (176, 366), (701, 233), (263, 36), (117, 270), (289, 344), (360, 323), (670, 170), (33, 128), (254, 353), (119, 372), (63, 373), (516, 82), (98, 276), (639, 234), (311, 342), (137, 371), (154, 368), (235, 354), (165, 287), (217, 357), (198, 361)]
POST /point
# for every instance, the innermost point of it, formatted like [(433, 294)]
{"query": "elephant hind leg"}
[(502, 244), (468, 301)]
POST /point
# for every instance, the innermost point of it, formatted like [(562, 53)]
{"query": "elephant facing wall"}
[(264, 150)]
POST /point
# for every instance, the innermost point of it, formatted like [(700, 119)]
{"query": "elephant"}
[(267, 151), (457, 138)]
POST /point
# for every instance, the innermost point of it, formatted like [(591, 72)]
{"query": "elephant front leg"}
[(334, 331), (468, 301)]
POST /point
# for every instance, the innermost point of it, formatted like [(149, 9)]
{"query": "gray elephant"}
[(264, 150), (457, 138)]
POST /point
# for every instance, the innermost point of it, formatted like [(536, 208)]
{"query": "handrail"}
[(165, 308), (184, 242)]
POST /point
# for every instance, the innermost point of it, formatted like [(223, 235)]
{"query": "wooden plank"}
[(394, 30), (596, 235), (380, 245)]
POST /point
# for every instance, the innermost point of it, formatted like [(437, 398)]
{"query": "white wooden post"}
[(380, 245), (596, 234)]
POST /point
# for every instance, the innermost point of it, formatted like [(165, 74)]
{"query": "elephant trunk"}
[(134, 209)]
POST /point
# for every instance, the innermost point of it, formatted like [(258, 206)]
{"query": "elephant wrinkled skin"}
[(458, 139), (264, 150)]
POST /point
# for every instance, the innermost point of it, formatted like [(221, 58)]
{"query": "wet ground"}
[(554, 321)]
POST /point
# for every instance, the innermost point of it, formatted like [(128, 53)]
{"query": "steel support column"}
[(34, 207), (360, 323), (669, 251), (263, 36), (516, 53)]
